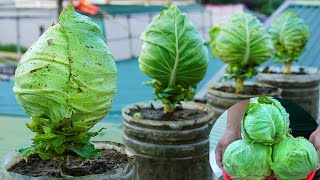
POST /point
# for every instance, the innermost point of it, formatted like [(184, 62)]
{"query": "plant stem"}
[(287, 67), (239, 85), (167, 109)]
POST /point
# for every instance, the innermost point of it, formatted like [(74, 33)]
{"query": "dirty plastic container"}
[(169, 150), (125, 173)]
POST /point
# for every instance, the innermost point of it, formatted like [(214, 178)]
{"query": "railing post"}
[(130, 35), (18, 37)]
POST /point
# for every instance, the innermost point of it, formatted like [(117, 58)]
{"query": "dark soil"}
[(179, 114), (267, 70), (72, 165), (250, 90)]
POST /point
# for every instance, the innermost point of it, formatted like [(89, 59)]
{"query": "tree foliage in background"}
[(11, 48), (262, 6)]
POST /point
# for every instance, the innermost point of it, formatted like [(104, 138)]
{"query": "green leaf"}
[(244, 160), (67, 79), (86, 151), (173, 53), (294, 158), (213, 36), (66, 82), (242, 42), (265, 121), (27, 151), (289, 34)]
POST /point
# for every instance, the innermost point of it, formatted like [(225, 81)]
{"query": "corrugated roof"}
[(136, 9), (310, 12)]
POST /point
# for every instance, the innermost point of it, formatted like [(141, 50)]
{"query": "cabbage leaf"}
[(242, 43), (294, 158), (174, 55), (289, 34), (66, 82), (265, 121), (244, 160)]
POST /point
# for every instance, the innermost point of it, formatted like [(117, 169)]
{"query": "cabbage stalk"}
[(289, 34), (174, 55), (265, 121), (294, 158), (242, 43), (66, 82), (246, 161)]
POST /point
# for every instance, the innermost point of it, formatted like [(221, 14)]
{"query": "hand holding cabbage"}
[(290, 158), (66, 82)]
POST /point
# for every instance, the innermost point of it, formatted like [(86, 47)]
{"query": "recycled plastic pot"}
[(169, 150), (221, 97), (300, 87), (123, 173)]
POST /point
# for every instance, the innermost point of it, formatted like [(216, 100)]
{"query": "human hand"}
[(228, 137), (315, 140)]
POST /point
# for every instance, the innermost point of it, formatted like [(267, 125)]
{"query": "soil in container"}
[(179, 114), (72, 165)]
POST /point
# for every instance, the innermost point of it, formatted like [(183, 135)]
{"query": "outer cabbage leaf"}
[(294, 158), (174, 54), (289, 34), (67, 80), (265, 121), (242, 43), (243, 160)]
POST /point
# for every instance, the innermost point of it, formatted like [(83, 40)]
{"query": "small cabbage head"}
[(244, 160), (265, 121), (66, 82), (242, 43), (294, 158), (289, 34)]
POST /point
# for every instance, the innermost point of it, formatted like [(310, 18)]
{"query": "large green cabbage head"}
[(66, 82), (289, 34), (247, 161), (242, 43), (265, 121), (174, 55), (294, 158)]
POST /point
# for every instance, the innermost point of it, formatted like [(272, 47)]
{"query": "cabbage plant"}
[(242, 43), (247, 161), (174, 55), (265, 121), (294, 158), (289, 34), (66, 82)]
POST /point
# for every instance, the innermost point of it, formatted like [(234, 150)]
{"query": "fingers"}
[(313, 135), (219, 156), (316, 144)]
